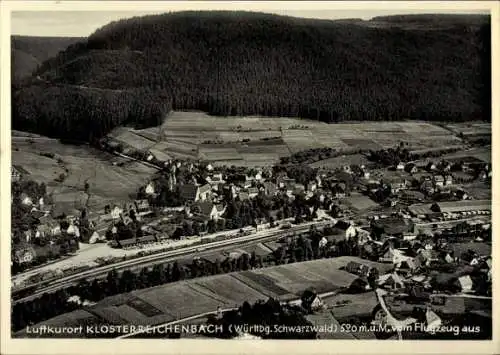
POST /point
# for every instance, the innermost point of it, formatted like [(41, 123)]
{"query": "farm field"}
[(187, 298), (340, 161), (479, 191), (483, 154), (259, 141), (79, 164), (472, 128)]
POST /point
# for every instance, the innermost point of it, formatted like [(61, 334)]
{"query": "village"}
[(416, 216)]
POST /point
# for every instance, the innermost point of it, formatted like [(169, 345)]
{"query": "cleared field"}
[(214, 154), (109, 314), (182, 133), (178, 300), (251, 280), (360, 305), (340, 161), (365, 143), (361, 202), (187, 298), (231, 289), (483, 154), (40, 168), (83, 164), (135, 140), (478, 191), (470, 128)]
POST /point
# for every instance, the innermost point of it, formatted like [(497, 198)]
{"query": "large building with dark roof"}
[(392, 226), (461, 206)]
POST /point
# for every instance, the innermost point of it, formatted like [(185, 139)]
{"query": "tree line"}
[(52, 304), (234, 64)]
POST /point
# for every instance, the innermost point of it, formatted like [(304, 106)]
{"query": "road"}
[(149, 260), (27, 139)]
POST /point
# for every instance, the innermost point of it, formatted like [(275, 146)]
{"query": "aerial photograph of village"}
[(251, 175)]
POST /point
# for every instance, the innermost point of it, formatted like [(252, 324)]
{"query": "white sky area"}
[(84, 23)]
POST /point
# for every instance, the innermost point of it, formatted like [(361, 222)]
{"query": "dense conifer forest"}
[(234, 63), (28, 53)]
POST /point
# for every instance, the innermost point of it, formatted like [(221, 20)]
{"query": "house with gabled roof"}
[(24, 254), (347, 229), (430, 166), (192, 192), (116, 212), (17, 172), (269, 188), (150, 188), (391, 281), (411, 168), (204, 192), (243, 195), (252, 192), (26, 199), (339, 190), (438, 180), (142, 207)]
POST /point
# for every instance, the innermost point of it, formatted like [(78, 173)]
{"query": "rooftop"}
[(464, 205)]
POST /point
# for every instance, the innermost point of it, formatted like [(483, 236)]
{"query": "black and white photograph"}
[(256, 173)]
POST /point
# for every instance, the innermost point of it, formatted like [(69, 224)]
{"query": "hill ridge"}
[(239, 63)]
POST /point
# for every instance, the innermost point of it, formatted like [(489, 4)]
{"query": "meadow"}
[(79, 165), (190, 297), (262, 141)]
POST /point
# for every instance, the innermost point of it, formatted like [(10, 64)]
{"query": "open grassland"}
[(343, 160), (79, 164), (187, 298), (247, 141), (483, 154), (470, 128)]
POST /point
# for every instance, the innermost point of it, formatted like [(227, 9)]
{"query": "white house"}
[(217, 211), (27, 235), (347, 228), (204, 192), (73, 230), (26, 200), (253, 192), (465, 283), (439, 180), (150, 189), (116, 212), (55, 230), (319, 181), (400, 166), (392, 281), (94, 238), (312, 186)]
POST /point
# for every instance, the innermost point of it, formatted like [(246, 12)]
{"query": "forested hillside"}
[(229, 63), (29, 52)]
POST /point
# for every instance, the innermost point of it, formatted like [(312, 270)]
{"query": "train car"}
[(127, 243), (147, 239)]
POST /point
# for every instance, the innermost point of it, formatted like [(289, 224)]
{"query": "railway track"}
[(150, 260)]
